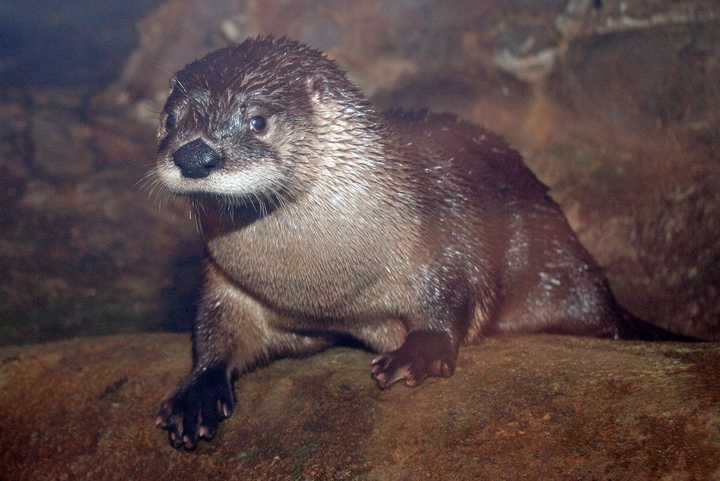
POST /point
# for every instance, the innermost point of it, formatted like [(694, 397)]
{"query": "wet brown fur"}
[(412, 233)]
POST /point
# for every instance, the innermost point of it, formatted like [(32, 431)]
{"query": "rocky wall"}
[(614, 104)]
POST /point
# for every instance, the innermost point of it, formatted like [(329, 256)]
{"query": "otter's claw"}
[(197, 408)]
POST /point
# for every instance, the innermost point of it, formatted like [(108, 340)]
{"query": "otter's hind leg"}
[(233, 333), (575, 301)]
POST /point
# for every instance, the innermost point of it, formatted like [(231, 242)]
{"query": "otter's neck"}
[(350, 144)]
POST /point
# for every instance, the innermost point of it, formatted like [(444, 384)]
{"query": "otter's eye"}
[(258, 123), (170, 121)]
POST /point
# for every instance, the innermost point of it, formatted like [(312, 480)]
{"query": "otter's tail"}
[(633, 328)]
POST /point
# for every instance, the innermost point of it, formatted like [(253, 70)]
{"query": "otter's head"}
[(254, 120)]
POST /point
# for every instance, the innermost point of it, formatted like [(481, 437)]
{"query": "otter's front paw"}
[(422, 354), (197, 407)]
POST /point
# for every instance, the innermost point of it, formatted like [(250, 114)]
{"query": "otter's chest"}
[(301, 271)]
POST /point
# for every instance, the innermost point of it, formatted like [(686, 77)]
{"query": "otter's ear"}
[(318, 87)]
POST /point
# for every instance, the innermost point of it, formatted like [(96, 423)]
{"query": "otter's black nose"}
[(196, 159)]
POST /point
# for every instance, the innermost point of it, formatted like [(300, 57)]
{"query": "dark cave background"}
[(615, 105)]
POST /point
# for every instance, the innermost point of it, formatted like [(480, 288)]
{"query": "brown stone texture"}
[(540, 407), (83, 248)]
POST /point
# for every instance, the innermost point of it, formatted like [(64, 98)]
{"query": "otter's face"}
[(229, 142), (256, 120), (234, 133)]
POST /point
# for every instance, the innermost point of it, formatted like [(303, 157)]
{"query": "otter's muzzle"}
[(196, 159)]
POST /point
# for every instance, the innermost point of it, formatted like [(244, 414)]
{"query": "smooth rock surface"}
[(540, 407)]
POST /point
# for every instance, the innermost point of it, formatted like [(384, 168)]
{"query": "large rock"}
[(539, 407)]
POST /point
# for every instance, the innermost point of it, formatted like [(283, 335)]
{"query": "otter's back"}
[(460, 156)]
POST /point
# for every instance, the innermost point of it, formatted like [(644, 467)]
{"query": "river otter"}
[(412, 233)]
